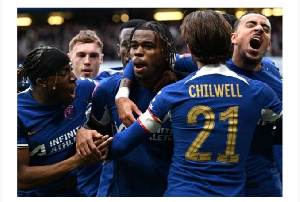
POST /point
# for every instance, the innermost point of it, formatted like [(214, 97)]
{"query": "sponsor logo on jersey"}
[(70, 112), (33, 132)]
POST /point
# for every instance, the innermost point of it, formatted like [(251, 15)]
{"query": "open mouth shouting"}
[(255, 43)]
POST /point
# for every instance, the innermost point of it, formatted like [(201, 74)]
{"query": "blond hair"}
[(85, 36)]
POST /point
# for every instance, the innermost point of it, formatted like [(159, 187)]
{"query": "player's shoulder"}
[(82, 81), (85, 86), (270, 66), (111, 82), (108, 86), (268, 61), (174, 90), (260, 87), (23, 96)]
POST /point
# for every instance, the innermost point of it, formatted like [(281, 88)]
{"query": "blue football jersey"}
[(107, 73), (212, 128), (105, 179), (270, 66), (128, 71), (50, 133), (264, 173), (144, 170), (184, 64), (263, 176)]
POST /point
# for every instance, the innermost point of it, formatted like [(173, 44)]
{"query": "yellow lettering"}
[(211, 92), (199, 90), (219, 90), (190, 91), (205, 86), (232, 90), (227, 90), (238, 90)]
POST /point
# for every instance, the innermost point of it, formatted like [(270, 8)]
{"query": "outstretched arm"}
[(139, 131), (32, 177)]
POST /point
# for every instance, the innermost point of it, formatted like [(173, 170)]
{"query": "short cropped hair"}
[(239, 20), (131, 23), (85, 36)]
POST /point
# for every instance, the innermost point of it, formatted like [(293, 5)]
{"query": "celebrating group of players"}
[(197, 124)]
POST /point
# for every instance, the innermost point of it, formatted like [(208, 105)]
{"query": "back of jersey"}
[(214, 113)]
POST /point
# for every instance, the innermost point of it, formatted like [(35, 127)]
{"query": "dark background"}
[(100, 20)]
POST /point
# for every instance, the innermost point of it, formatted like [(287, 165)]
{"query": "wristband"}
[(123, 92)]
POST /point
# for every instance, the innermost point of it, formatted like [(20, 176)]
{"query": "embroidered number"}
[(231, 114)]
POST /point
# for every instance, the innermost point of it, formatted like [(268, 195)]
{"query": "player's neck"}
[(149, 83), (249, 66)]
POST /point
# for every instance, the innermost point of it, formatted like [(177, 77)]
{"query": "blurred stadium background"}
[(57, 26)]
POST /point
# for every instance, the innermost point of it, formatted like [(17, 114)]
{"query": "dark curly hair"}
[(163, 31), (42, 62), (31, 61)]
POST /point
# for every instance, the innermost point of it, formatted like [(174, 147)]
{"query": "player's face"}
[(122, 47), (86, 59), (148, 57), (64, 86), (252, 37)]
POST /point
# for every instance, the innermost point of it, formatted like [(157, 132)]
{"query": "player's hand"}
[(84, 160), (167, 78), (125, 107), (85, 146), (103, 145)]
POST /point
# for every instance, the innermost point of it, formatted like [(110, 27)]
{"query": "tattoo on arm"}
[(125, 83)]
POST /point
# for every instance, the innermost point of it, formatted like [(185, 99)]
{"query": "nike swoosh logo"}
[(33, 132)]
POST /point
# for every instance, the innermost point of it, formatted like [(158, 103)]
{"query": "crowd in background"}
[(60, 36)]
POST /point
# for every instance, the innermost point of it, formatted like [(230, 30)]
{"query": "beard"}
[(251, 61)]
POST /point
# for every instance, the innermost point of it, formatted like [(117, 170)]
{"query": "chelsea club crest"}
[(70, 112)]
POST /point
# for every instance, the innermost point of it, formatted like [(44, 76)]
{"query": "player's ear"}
[(233, 38), (41, 82), (119, 50), (101, 58), (269, 46)]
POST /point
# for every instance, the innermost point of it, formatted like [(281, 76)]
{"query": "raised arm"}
[(124, 105)]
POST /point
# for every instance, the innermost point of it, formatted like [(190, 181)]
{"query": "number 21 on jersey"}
[(230, 115)]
